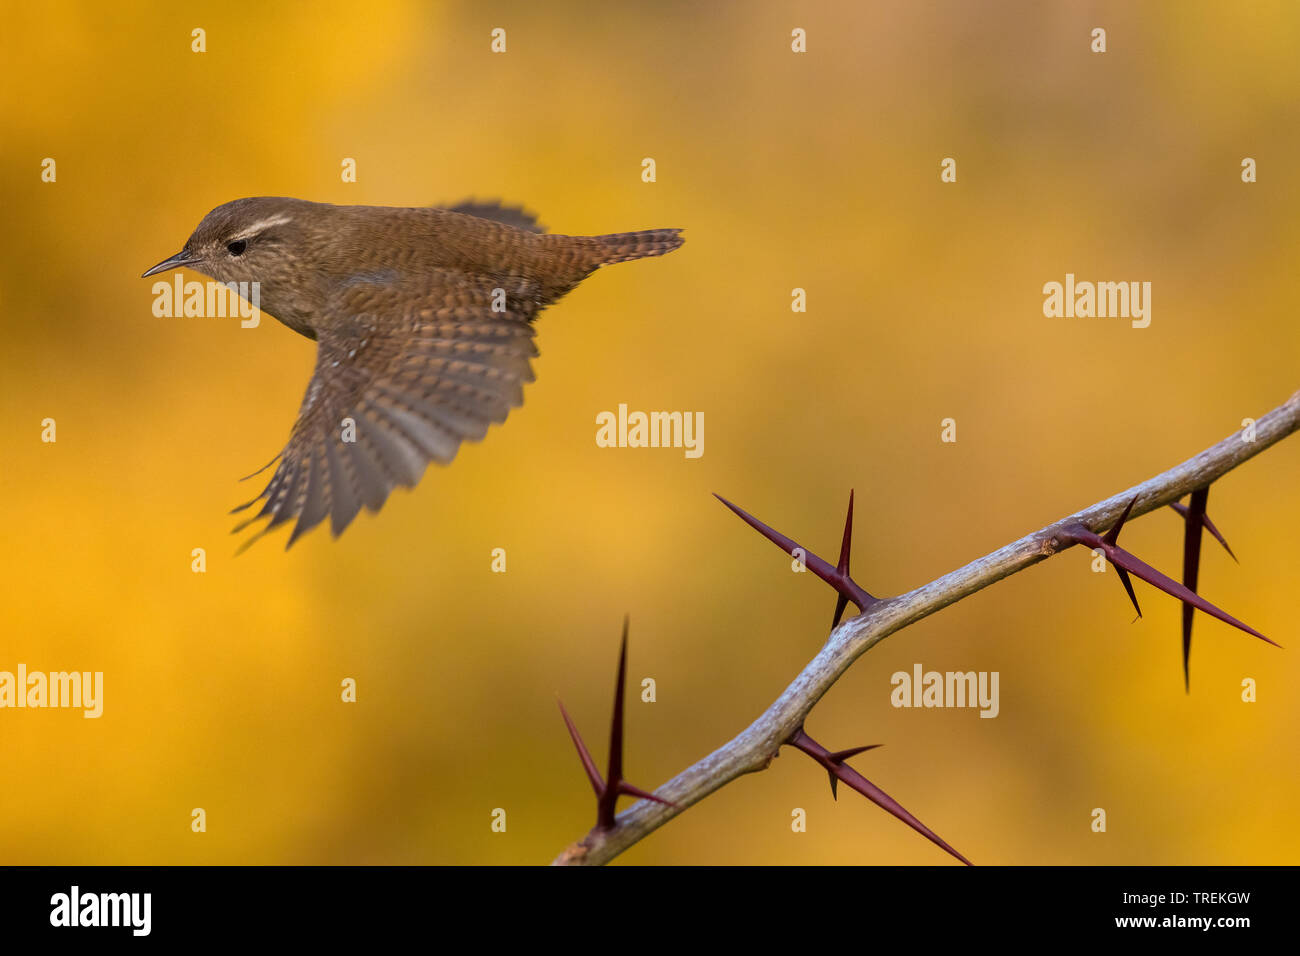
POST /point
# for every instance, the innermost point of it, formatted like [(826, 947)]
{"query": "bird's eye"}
[(237, 247)]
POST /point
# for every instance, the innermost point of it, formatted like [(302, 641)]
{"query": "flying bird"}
[(423, 320)]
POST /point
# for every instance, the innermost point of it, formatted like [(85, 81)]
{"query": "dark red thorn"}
[(584, 754), (1128, 586), (1109, 541), (1129, 562), (607, 794), (838, 769), (1209, 526), (842, 568), (1170, 586), (836, 577), (841, 605), (840, 756), (1112, 535), (615, 772), (1194, 520)]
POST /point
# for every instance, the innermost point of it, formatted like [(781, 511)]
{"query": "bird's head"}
[(247, 240)]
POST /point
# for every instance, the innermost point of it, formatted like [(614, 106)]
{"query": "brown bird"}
[(423, 321)]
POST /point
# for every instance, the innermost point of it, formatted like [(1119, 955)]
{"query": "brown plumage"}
[(423, 320)]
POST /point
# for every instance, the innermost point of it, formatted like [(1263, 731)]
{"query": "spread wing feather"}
[(403, 375)]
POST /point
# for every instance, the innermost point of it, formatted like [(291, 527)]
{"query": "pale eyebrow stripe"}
[(261, 224)]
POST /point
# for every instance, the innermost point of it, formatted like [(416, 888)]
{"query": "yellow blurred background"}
[(818, 171)]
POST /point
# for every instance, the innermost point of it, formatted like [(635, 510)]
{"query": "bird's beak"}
[(182, 258)]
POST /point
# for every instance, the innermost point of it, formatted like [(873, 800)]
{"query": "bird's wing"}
[(516, 216), (403, 375)]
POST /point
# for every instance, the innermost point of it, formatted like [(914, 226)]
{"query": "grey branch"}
[(754, 748)]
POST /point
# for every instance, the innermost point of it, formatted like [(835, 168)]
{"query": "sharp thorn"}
[(1209, 526), (841, 603), (609, 789), (584, 754), (1121, 558), (842, 568), (776, 537), (615, 772), (1112, 535), (841, 771), (1128, 586), (1078, 534), (840, 756), (1193, 523), (846, 544), (845, 586)]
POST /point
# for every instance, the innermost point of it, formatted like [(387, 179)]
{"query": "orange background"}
[(924, 301)]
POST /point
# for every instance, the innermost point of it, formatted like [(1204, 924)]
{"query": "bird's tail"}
[(622, 246)]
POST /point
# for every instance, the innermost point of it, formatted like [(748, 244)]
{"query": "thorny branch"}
[(782, 724)]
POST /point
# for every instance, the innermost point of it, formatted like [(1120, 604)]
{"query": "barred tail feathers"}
[(624, 246)]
